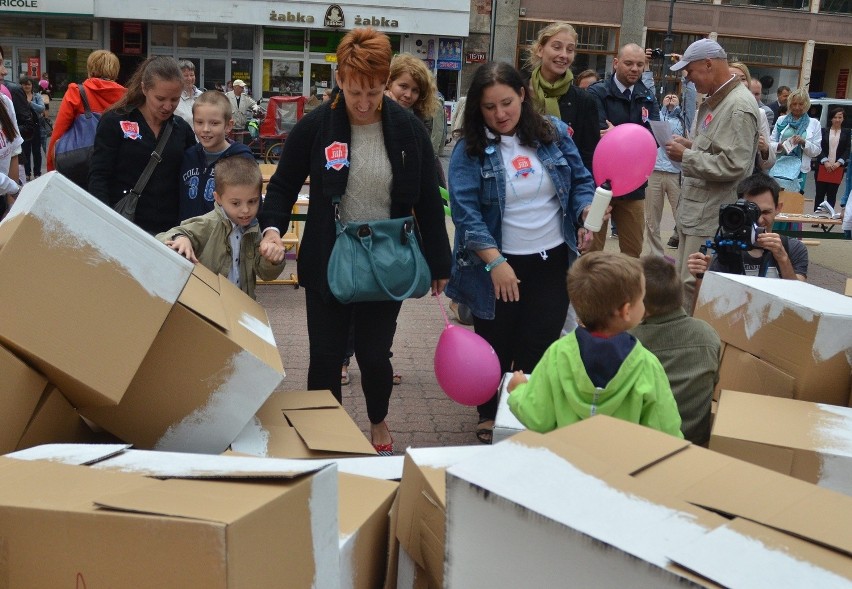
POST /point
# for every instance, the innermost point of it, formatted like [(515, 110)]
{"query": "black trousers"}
[(521, 331), (825, 191), (373, 327), (31, 156)]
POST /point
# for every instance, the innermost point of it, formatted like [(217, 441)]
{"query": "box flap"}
[(745, 372), (289, 400), (329, 430), (206, 466), (249, 325), (816, 427), (201, 295), (77, 454), (638, 447), (21, 387), (745, 554), (730, 486)]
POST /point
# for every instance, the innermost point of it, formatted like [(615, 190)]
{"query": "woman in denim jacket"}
[(519, 192)]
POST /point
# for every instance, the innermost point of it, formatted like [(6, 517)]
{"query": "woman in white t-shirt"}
[(520, 191)]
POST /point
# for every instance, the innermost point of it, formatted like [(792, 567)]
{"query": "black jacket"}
[(414, 186), (580, 111), (120, 157), (615, 108), (842, 146)]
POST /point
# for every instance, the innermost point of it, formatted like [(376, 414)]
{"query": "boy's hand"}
[(517, 378), (697, 263), (183, 246), (272, 251)]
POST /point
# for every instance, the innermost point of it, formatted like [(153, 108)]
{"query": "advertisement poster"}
[(449, 54), (34, 67)]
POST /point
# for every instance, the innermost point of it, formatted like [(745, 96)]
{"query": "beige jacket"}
[(722, 154), (209, 235)]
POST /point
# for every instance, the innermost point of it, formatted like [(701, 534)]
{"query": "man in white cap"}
[(719, 156), (241, 105)]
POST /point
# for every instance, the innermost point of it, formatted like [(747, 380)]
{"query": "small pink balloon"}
[(625, 156), (466, 366)]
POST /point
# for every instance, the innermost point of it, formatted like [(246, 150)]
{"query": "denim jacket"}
[(478, 193)]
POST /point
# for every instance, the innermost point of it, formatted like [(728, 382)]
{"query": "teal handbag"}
[(377, 261)]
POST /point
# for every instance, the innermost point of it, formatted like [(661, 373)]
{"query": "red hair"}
[(364, 55)]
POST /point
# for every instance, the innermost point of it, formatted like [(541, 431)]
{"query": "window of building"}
[(20, 27), (275, 39), (836, 6), (325, 41), (77, 30), (283, 77), (162, 35), (242, 38), (785, 4), (65, 66), (209, 36)]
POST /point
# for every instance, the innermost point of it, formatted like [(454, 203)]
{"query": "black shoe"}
[(673, 242)]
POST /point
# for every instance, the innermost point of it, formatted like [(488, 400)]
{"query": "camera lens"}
[(732, 218)]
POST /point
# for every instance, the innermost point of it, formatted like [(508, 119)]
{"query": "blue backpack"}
[(73, 150)]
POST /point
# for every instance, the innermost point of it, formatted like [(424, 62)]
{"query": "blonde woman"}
[(795, 135)]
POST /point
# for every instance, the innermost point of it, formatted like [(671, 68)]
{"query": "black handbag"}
[(126, 207), (377, 261)]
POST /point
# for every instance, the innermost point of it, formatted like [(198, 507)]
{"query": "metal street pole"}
[(668, 42)]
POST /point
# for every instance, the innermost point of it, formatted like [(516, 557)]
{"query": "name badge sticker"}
[(337, 156), (130, 130), (644, 115), (523, 166), (707, 120)]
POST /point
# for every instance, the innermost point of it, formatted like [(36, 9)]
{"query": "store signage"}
[(376, 21), (76, 7), (18, 3), (288, 16), (449, 54), (334, 17), (475, 57)]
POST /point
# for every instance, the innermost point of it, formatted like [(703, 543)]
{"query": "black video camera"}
[(738, 228), (657, 54)]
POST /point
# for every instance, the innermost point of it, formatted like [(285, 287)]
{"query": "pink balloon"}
[(625, 156), (466, 366)]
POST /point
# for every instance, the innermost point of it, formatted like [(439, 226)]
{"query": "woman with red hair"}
[(375, 155)]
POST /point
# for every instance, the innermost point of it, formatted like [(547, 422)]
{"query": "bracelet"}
[(494, 263)]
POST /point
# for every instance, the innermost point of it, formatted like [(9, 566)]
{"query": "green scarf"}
[(549, 94)]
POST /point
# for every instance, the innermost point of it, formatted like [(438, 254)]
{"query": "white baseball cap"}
[(239, 83), (701, 49)]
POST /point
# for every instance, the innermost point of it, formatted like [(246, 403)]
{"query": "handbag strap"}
[(156, 158), (86, 110)]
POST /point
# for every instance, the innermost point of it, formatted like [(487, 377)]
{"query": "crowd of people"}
[(520, 184)]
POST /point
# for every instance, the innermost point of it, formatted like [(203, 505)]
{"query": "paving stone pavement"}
[(421, 415)]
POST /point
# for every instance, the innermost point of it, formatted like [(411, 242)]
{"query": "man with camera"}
[(744, 243), (721, 153)]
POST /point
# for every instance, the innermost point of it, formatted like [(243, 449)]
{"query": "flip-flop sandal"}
[(344, 378), (485, 434), (397, 379)]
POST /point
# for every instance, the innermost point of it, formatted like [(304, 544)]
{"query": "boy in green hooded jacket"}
[(599, 367)]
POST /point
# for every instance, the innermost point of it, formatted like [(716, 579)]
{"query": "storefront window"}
[(65, 66), (209, 36), (325, 41), (282, 77), (788, 4), (77, 30), (241, 70), (836, 6), (774, 63), (162, 35), (20, 27), (242, 38), (275, 39)]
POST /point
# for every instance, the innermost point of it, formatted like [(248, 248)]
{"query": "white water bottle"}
[(594, 220)]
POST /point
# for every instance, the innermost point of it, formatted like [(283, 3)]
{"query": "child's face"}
[(211, 127), (240, 203), (636, 311)]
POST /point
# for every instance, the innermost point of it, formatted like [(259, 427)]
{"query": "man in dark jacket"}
[(623, 98)]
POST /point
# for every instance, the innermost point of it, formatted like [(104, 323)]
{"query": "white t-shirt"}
[(8, 149), (532, 217)]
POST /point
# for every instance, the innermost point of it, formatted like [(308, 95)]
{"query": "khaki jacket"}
[(722, 154), (209, 235)]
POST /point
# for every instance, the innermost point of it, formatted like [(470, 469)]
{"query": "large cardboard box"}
[(809, 441), (56, 421), (364, 513), (119, 529), (742, 371), (607, 503), (210, 368), (803, 330), (302, 424), (86, 292), (21, 387), (420, 525)]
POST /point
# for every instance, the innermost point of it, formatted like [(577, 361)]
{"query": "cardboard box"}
[(114, 529), (56, 421), (211, 367), (608, 503), (506, 424), (742, 371), (420, 525), (364, 510), (95, 291), (302, 424), (803, 330), (21, 388), (809, 441)]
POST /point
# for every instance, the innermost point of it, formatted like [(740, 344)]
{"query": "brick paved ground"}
[(420, 413)]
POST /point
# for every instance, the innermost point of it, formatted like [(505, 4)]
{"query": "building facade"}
[(275, 47)]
